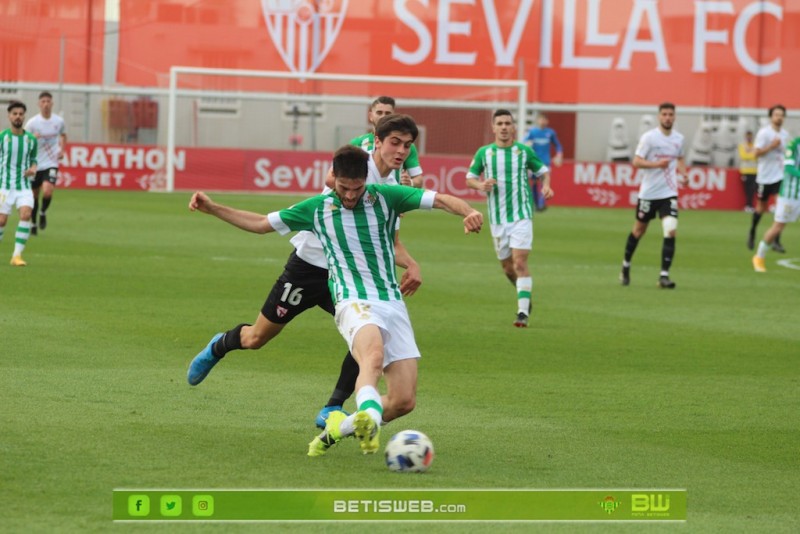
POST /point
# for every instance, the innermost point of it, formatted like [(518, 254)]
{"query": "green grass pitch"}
[(610, 387)]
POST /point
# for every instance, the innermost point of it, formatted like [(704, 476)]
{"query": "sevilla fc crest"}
[(303, 31)]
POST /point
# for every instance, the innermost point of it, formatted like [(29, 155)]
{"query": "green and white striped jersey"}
[(790, 187), (17, 154), (358, 243), (510, 200), (411, 164)]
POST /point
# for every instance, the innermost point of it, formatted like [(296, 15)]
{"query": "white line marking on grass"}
[(790, 263), (240, 260)]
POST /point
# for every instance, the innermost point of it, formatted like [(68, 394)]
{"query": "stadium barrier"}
[(591, 184)]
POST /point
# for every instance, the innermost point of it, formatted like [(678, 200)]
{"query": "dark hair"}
[(396, 123), (501, 113), (388, 100), (45, 94), (16, 104), (350, 162), (666, 105), (773, 108)]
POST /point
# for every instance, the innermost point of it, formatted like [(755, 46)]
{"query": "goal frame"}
[(520, 85)]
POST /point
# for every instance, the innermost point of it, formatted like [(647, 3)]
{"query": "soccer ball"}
[(409, 451)]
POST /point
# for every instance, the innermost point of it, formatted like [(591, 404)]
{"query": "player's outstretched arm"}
[(473, 219), (246, 220)]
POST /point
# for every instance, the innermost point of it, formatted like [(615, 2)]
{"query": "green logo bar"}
[(598, 505)]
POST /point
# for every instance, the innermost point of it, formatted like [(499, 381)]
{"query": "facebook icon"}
[(138, 505)]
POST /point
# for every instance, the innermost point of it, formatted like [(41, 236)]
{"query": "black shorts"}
[(767, 190), (50, 175), (301, 286), (646, 210)]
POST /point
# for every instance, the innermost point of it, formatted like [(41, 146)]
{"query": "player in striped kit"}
[(660, 153), (504, 165), (51, 133), (356, 225), (304, 281), (383, 106), (18, 150), (788, 207), (770, 145)]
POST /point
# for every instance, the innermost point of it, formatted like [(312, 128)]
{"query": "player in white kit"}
[(51, 133), (660, 154)]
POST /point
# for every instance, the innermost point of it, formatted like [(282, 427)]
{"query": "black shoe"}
[(665, 283), (625, 276), (777, 247), (522, 320), (42, 221), (34, 230), (751, 241)]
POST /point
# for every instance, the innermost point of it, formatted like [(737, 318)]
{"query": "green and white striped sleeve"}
[(298, 217)]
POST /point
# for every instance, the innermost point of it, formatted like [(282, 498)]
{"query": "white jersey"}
[(654, 145), (308, 247), (770, 165), (47, 131)]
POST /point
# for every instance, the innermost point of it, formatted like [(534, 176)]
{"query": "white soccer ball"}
[(409, 451)]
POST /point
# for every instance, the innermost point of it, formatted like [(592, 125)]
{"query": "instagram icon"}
[(203, 505)]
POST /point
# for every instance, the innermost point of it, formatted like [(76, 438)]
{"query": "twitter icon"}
[(171, 505)]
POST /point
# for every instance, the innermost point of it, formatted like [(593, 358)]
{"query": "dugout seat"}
[(619, 144), (702, 144)]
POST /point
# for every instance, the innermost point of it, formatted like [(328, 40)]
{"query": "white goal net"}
[(268, 110)]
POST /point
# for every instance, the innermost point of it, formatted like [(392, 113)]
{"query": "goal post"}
[(201, 99)]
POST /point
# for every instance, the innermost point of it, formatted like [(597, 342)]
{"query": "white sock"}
[(364, 394), (524, 286), (346, 427), (762, 249), (369, 400), (21, 237)]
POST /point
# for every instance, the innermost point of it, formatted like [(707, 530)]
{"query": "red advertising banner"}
[(732, 53), (616, 185), (112, 167), (717, 53)]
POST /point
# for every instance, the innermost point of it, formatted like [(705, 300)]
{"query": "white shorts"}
[(787, 210), (9, 199), (392, 319), (517, 235)]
